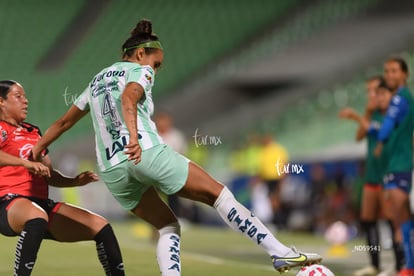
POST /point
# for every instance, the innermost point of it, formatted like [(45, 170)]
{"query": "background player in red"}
[(25, 209)]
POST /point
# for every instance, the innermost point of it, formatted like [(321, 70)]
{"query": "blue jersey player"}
[(395, 145)]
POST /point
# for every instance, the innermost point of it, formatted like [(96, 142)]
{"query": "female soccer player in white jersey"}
[(133, 160)]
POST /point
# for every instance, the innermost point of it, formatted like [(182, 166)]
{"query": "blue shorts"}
[(400, 180)]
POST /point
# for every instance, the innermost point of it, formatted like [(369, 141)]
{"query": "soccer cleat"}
[(366, 271), (406, 272), (295, 258)]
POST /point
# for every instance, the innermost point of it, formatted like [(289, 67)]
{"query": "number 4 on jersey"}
[(108, 108)]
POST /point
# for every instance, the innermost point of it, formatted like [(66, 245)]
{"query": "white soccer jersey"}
[(103, 98)]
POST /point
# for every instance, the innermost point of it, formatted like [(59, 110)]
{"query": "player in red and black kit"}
[(25, 209)]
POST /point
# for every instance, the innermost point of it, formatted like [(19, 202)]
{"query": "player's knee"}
[(32, 225), (38, 224), (106, 232), (370, 215), (44, 217), (98, 223), (38, 213), (213, 193), (172, 228), (224, 195)]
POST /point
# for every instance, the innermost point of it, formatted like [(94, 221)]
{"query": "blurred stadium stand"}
[(202, 30), (329, 65)]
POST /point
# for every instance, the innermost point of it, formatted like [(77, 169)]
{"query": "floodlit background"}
[(239, 75)]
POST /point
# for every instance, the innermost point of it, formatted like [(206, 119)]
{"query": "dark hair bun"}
[(144, 27)]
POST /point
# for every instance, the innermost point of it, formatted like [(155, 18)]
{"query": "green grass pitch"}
[(204, 252)]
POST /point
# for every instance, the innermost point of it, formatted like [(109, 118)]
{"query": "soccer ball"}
[(315, 270)]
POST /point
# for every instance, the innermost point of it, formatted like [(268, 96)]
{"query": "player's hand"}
[(36, 154), (86, 177), (37, 168), (378, 150), (133, 150), (347, 113)]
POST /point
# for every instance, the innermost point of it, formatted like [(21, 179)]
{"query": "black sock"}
[(109, 253), (28, 245), (371, 230), (398, 250)]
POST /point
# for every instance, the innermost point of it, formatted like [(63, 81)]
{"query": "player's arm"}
[(34, 167), (363, 121), (396, 111), (57, 179), (363, 127), (64, 123), (132, 93)]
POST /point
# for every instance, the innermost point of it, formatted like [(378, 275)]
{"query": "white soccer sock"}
[(168, 250), (242, 220)]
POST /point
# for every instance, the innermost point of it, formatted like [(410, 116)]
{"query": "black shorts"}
[(48, 205)]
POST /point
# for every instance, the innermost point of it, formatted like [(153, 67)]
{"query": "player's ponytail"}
[(143, 28), (141, 36), (5, 87)]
